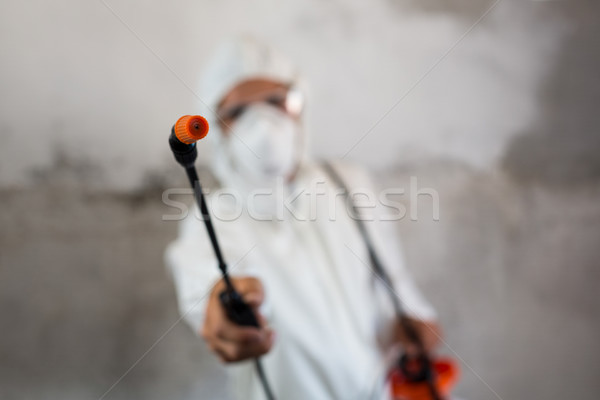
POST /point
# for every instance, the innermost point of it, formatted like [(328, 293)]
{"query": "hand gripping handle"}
[(237, 309)]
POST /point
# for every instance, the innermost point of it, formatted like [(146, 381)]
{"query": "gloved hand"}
[(429, 333), (231, 342)]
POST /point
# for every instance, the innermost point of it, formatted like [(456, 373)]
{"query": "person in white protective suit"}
[(293, 249)]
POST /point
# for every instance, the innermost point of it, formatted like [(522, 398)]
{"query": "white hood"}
[(233, 62)]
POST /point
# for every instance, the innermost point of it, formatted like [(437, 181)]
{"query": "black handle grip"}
[(416, 368), (236, 309)]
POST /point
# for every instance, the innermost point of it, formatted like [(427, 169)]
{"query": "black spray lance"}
[(184, 135)]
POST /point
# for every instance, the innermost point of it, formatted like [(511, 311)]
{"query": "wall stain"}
[(564, 146)]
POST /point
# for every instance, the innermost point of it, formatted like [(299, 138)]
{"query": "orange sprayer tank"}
[(446, 374)]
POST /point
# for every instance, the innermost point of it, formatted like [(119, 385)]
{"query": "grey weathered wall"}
[(505, 128)]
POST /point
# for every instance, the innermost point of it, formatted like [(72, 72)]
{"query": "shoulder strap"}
[(376, 264), (379, 270)]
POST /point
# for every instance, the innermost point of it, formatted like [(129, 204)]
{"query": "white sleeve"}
[(194, 270), (388, 246), (387, 242), (193, 266)]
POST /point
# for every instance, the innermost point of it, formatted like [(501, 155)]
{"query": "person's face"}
[(252, 91)]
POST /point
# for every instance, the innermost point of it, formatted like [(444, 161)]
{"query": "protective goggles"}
[(289, 100)]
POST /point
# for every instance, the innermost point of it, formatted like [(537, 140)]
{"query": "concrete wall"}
[(505, 128), (93, 88)]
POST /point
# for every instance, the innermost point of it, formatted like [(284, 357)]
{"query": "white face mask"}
[(266, 143)]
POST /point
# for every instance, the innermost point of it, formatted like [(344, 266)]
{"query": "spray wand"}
[(184, 135)]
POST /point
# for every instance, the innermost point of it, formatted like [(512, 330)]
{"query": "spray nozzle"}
[(184, 135)]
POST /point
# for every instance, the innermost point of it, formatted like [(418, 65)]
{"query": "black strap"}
[(376, 263), (382, 273)]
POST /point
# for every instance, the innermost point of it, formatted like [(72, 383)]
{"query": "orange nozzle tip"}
[(191, 128)]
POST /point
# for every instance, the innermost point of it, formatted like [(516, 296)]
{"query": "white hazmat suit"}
[(331, 314)]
